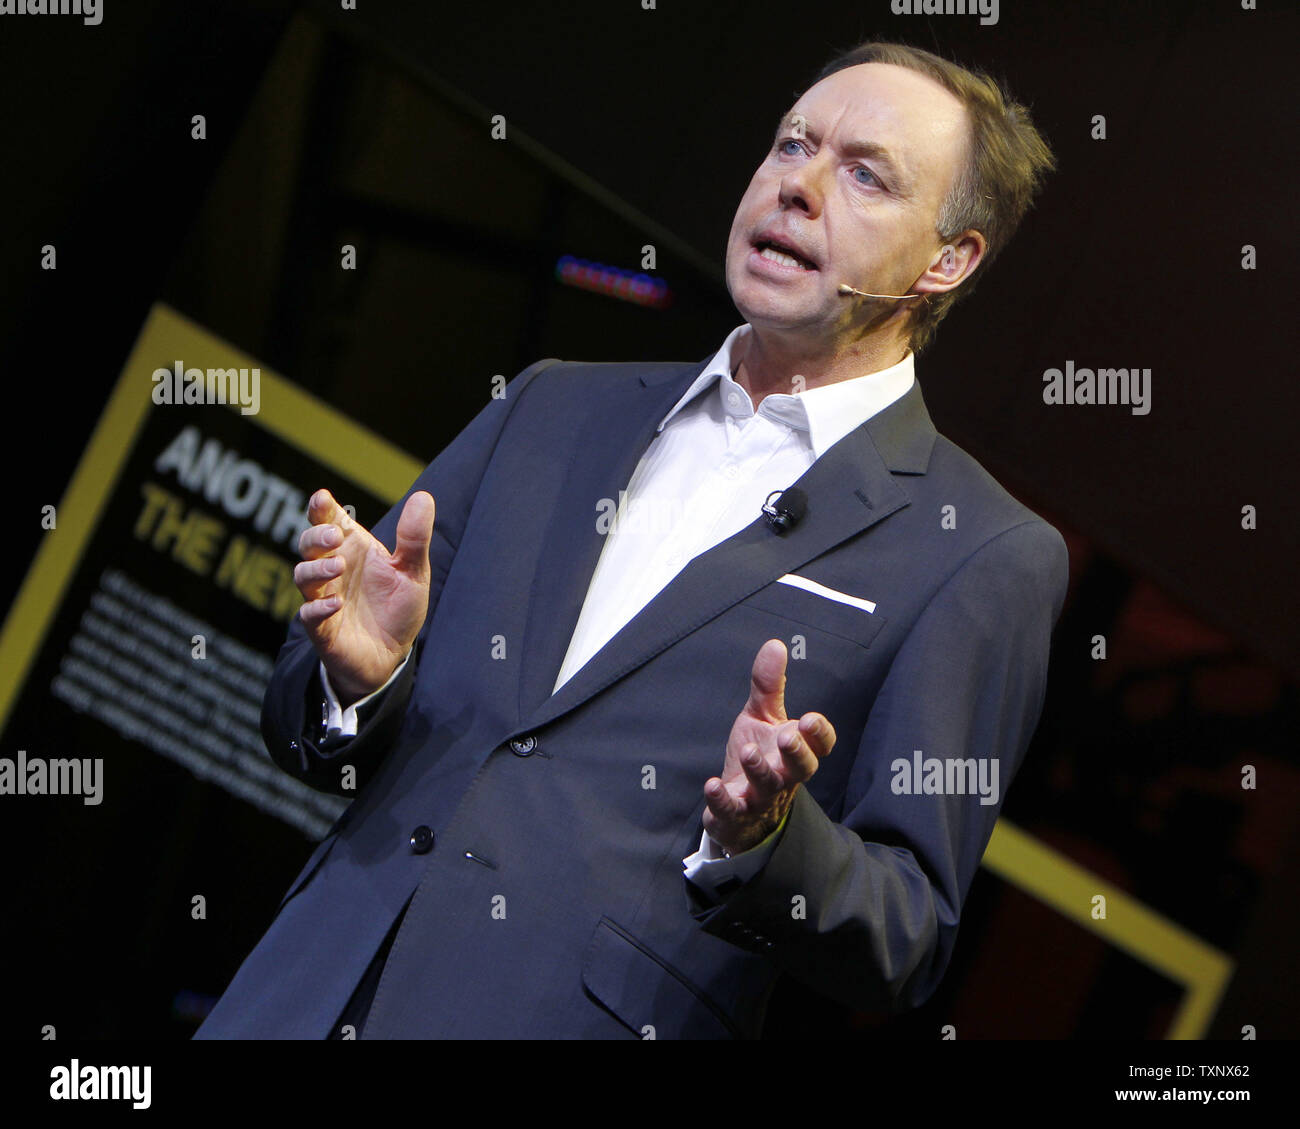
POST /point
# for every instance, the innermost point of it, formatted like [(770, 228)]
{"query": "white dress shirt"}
[(705, 476)]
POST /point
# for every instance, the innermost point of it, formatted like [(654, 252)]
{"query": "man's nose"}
[(803, 186)]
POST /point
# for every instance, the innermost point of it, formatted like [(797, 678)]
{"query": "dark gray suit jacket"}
[(544, 896)]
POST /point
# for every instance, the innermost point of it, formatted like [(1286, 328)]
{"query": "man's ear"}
[(952, 264)]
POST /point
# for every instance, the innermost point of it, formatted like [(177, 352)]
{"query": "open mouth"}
[(782, 255)]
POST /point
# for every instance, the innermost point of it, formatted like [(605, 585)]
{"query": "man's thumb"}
[(414, 532), (767, 679)]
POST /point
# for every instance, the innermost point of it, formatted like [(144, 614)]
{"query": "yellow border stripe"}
[(1068, 888), (60, 552), (296, 416)]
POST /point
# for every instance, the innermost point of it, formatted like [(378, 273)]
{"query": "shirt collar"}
[(827, 413)]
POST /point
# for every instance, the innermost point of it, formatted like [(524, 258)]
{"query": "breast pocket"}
[(832, 662), (797, 606)]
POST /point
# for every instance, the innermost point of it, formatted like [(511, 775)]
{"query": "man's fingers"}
[(767, 681), (720, 801), (317, 540), (797, 759), (818, 732), (330, 524), (414, 532), (315, 612), (313, 576), (322, 508), (765, 781)]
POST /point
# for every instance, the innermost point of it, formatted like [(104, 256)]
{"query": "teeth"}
[(775, 256)]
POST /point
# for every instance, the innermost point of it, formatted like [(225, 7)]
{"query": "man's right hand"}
[(364, 605)]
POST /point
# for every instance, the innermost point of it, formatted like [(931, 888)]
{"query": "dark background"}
[(628, 127)]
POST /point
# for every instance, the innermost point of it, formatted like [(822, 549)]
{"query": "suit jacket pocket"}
[(824, 614), (642, 989)]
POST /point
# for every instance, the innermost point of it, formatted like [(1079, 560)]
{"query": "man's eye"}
[(781, 147), (874, 179)]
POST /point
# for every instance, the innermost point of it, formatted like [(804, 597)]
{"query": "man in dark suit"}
[(572, 817)]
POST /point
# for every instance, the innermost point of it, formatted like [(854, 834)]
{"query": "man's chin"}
[(781, 317)]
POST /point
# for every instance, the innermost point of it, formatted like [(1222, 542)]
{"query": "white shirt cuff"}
[(708, 867), (345, 720)]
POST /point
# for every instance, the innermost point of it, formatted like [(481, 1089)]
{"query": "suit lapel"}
[(612, 438), (850, 488)]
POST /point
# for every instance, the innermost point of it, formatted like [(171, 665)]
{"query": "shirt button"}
[(422, 840), (731, 470), (524, 746), (735, 399)]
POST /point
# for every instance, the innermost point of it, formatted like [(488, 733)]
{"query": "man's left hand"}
[(768, 757)]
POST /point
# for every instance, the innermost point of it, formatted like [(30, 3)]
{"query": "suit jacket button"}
[(293, 746), (422, 840), (524, 746)]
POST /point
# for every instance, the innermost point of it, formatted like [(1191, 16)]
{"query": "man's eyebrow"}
[(869, 149), (877, 152)]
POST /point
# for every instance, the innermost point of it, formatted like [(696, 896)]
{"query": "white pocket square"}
[(829, 593)]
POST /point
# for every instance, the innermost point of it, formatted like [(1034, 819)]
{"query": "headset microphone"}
[(845, 288)]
